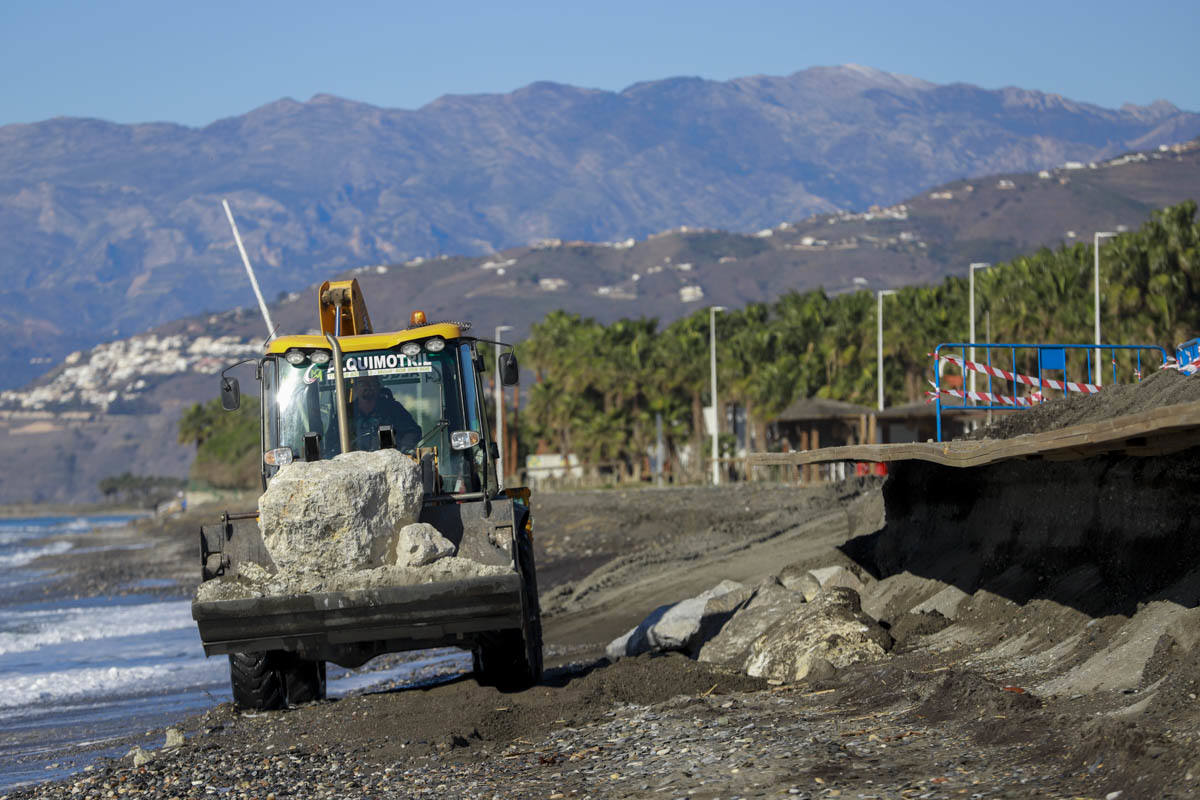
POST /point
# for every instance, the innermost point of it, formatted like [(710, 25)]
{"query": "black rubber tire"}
[(533, 607), (501, 661), (305, 681), (511, 660), (257, 681)]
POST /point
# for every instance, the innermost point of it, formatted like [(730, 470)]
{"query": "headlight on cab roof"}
[(279, 457), (295, 356), (320, 357), (410, 349), (435, 345)]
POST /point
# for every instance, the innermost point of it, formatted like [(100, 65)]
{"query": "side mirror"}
[(231, 394), (509, 372)]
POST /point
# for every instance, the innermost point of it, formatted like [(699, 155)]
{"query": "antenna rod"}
[(262, 304)]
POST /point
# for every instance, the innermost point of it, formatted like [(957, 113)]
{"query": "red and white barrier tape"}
[(1189, 368), (1014, 377), (985, 397)]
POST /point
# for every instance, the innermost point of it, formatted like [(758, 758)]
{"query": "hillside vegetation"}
[(599, 386), (227, 444)]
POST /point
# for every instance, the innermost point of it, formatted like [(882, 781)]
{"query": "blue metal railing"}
[(1052, 357)]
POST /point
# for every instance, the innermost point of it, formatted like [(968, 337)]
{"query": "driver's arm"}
[(408, 432)]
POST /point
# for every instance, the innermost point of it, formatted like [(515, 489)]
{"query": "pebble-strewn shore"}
[(790, 741), (941, 717)]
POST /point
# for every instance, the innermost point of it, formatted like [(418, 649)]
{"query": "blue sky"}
[(193, 63)]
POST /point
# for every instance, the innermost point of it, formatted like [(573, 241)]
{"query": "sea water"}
[(79, 676)]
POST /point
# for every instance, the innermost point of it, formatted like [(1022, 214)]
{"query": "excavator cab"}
[(418, 390), (419, 394)]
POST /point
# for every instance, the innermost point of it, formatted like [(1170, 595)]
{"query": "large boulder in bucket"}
[(420, 544), (345, 513)]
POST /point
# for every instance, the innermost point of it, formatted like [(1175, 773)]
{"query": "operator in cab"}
[(374, 407)]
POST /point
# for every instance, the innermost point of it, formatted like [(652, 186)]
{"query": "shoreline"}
[(954, 709), (37, 510)]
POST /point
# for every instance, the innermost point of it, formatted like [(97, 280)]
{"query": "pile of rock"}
[(349, 522), (801, 624)]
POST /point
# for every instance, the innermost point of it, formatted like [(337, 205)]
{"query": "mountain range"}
[(107, 230), (113, 407)]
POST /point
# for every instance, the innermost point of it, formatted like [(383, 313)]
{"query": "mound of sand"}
[(1166, 387)]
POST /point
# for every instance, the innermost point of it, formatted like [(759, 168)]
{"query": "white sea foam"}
[(12, 534), (16, 530), (108, 682), (20, 558), (31, 630)]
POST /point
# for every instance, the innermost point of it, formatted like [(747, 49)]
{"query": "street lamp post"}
[(879, 340), (500, 412), (1096, 280), (971, 311), (712, 362)]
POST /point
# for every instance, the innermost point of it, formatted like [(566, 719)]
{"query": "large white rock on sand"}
[(831, 630), (811, 583), (340, 514), (672, 627), (731, 644)]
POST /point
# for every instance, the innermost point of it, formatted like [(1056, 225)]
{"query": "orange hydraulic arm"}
[(342, 309)]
